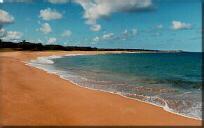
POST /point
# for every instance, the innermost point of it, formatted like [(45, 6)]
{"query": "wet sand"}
[(30, 96)]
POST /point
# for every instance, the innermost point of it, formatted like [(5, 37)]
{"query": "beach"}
[(30, 96)]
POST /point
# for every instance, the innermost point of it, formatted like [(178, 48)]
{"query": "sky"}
[(139, 24)]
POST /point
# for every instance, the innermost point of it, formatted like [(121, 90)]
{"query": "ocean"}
[(169, 80)]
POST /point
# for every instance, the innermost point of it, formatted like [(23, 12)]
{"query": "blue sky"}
[(146, 24)]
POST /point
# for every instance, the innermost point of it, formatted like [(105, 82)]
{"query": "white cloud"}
[(10, 35), (95, 27), (2, 32), (178, 25), (46, 28), (66, 33), (13, 35), (40, 41), (51, 40), (96, 39), (104, 37), (121, 36), (134, 31), (128, 33), (5, 18), (108, 36), (125, 32), (49, 14), (160, 26), (58, 1), (65, 43), (95, 9)]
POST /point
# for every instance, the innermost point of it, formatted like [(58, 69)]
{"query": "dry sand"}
[(30, 96)]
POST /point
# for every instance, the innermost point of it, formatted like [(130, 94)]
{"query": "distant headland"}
[(29, 46)]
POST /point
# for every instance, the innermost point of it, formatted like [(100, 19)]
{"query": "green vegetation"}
[(28, 46)]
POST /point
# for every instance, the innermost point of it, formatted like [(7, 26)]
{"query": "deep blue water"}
[(171, 80)]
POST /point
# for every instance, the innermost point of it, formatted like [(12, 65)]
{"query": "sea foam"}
[(48, 59), (42, 60)]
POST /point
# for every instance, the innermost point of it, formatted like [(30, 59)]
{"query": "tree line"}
[(28, 46)]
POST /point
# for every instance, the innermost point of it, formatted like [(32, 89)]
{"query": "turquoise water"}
[(170, 80)]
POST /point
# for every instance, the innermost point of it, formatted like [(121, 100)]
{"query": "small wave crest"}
[(45, 60), (49, 59), (42, 60)]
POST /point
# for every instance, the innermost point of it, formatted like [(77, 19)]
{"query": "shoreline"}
[(163, 107), (32, 55)]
